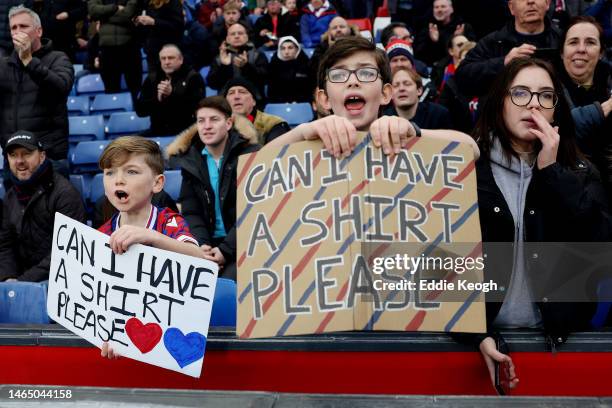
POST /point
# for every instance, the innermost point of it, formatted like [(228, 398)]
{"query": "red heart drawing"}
[(144, 336)]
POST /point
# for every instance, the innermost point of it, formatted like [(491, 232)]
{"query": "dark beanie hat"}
[(248, 85)]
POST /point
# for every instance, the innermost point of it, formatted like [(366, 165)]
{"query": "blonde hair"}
[(120, 150)]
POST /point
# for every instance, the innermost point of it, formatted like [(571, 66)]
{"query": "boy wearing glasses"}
[(354, 82)]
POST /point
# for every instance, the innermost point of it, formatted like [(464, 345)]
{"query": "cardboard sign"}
[(310, 227), (149, 304)]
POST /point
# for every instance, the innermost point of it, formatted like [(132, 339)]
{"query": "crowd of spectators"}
[(446, 70)]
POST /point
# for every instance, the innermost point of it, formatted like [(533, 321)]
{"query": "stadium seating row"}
[(26, 303)]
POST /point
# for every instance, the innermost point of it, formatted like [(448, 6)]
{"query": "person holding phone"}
[(533, 185), (238, 58)]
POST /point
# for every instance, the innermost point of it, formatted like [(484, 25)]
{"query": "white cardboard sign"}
[(151, 305)]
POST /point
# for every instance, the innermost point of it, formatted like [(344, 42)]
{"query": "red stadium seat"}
[(383, 11), (364, 24)]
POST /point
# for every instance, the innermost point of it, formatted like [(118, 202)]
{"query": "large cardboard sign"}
[(149, 304), (311, 228)]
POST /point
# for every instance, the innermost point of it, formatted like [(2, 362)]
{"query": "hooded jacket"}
[(294, 72), (27, 230), (314, 23), (483, 63), (34, 97), (197, 197), (561, 205)]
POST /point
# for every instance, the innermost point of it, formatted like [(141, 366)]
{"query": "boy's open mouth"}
[(121, 195), (354, 103)]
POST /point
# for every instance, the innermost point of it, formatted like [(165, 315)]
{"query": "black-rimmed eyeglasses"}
[(521, 96), (340, 75)]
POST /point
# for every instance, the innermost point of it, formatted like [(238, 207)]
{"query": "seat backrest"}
[(173, 183), (126, 123), (106, 104), (82, 183), (224, 305), (78, 105), (204, 72), (84, 158), (379, 24), (82, 128), (364, 24), (97, 188), (293, 113), (90, 84), (23, 302)]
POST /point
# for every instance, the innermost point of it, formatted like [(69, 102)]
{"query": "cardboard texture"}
[(309, 226), (150, 304)]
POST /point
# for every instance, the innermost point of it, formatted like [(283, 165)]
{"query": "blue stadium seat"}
[(293, 113), (77, 68), (85, 156), (126, 123), (106, 104), (253, 18), (23, 302), (145, 66), (211, 92), (224, 306), (78, 105), (2, 190), (97, 188), (604, 291), (163, 141), (82, 183), (308, 51), (82, 128), (90, 85), (173, 183), (204, 72)]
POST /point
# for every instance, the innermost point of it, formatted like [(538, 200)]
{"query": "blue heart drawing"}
[(185, 349)]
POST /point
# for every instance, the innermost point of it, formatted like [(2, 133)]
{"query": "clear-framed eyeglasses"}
[(521, 96), (341, 75)]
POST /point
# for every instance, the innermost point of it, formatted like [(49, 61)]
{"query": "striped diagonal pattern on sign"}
[(449, 148), (381, 248), (297, 223), (466, 215), (244, 214)]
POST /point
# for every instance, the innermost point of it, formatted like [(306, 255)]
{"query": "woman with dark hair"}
[(587, 85), (533, 186)]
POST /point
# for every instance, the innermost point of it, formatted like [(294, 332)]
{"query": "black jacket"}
[(483, 63), (255, 71), (197, 197), (34, 98), (174, 113), (27, 232), (593, 129), (287, 25), (428, 51), (62, 32), (168, 28), (295, 72), (562, 205)]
